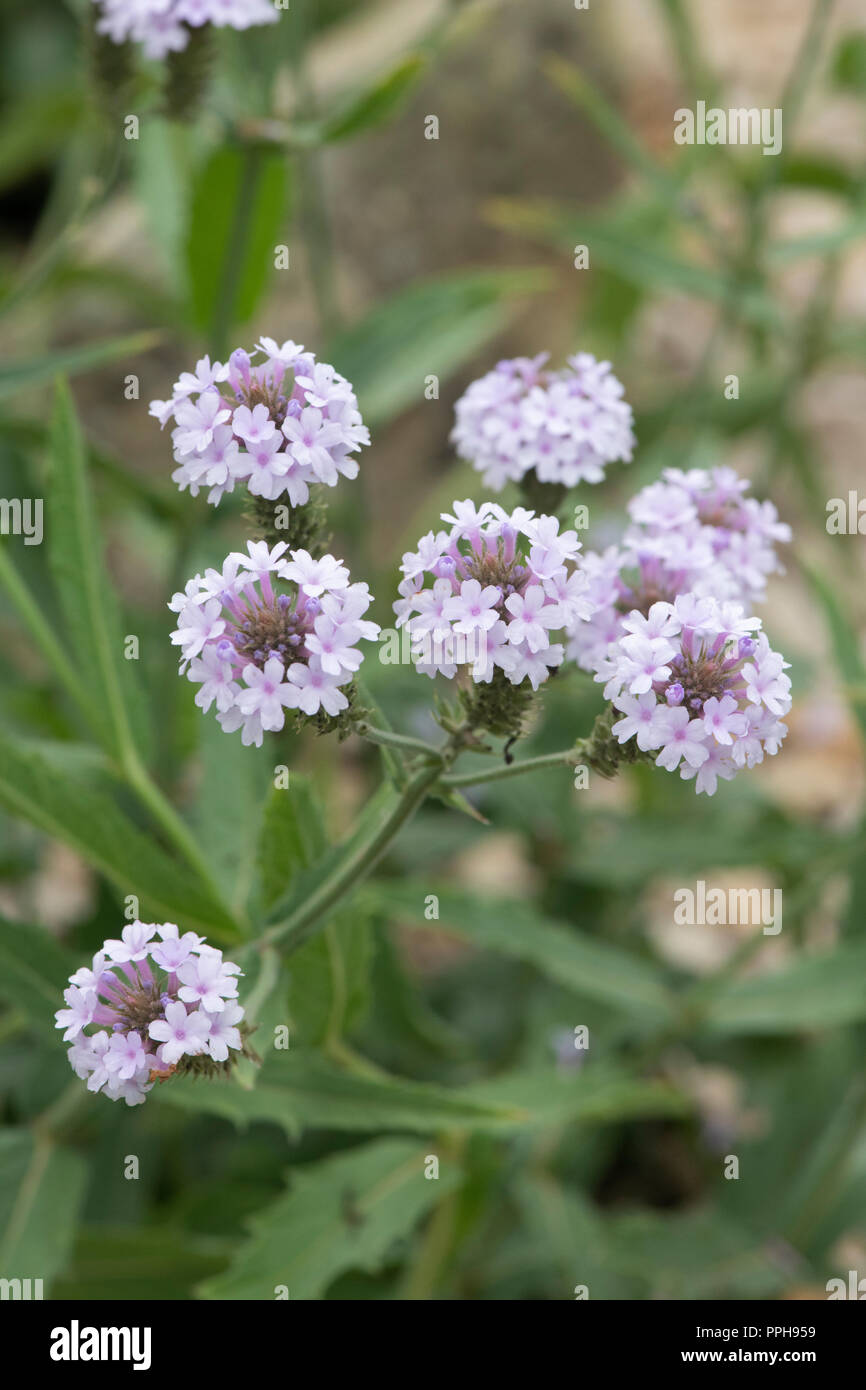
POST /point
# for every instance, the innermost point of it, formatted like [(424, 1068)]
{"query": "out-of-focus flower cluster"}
[(697, 680), (278, 425), (564, 426), (691, 532), (255, 648), (164, 26), (502, 585), (152, 1003)]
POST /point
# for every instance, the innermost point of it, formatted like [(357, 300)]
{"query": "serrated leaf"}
[(342, 1213)]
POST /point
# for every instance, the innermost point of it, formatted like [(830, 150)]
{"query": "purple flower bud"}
[(284, 602), (746, 646), (674, 694)]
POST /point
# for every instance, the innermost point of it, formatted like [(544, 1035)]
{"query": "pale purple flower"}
[(135, 1001), (279, 615), (277, 425), (164, 26), (712, 706), (180, 1034), (501, 584), (565, 426)]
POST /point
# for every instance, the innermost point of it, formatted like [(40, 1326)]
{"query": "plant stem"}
[(356, 865), (388, 739), (569, 757)]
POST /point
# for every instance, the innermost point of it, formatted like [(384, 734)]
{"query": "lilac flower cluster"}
[(255, 650), (503, 583), (691, 532), (564, 426), (163, 26), (278, 425), (156, 1000), (697, 680)]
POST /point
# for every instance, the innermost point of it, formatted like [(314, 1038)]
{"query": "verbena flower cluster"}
[(565, 426), (691, 532), (275, 629), (164, 26), (697, 680), (155, 1003), (278, 424), (502, 585)]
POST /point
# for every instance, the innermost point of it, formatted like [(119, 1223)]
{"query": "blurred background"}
[(121, 262)]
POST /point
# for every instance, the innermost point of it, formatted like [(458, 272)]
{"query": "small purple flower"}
[(135, 1003), (502, 583), (564, 426), (278, 424), (692, 694)]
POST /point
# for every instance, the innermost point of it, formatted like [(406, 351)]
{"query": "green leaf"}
[(429, 329), (238, 204), (80, 808), (161, 170), (16, 377), (342, 1213), (591, 968), (41, 1188), (373, 106), (303, 1091), (86, 596), (292, 837), (818, 991), (34, 971)]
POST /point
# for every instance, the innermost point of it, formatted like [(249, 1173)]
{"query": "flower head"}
[(153, 1003), (274, 630), (502, 585), (278, 424), (564, 426), (691, 533), (706, 692), (164, 26)]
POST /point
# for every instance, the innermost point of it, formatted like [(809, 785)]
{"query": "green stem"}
[(569, 757), (388, 739), (354, 867)]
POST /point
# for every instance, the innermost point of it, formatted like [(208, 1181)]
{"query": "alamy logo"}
[(742, 125), (22, 516), (76, 1343), (729, 907), (855, 1288)]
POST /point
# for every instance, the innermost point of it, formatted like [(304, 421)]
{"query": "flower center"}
[(701, 678), (509, 576), (271, 630)]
